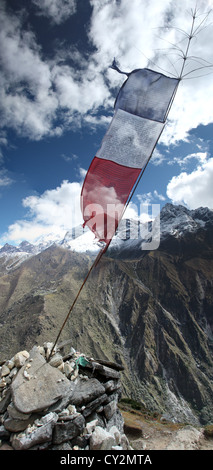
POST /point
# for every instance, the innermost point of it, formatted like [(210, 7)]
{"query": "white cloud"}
[(69, 158), (145, 198), (149, 198), (42, 97), (28, 104), (200, 157), (82, 172), (157, 158), (193, 189), (126, 31), (5, 180), (79, 94), (159, 196), (35, 91), (50, 215), (132, 35), (57, 10)]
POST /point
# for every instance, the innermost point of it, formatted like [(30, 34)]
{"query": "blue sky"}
[(57, 96)]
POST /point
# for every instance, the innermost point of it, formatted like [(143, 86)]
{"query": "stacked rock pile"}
[(68, 402)]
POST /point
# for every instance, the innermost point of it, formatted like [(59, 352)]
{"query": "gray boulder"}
[(39, 433), (38, 385), (69, 428)]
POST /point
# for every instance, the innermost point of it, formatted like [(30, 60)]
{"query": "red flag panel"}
[(104, 194)]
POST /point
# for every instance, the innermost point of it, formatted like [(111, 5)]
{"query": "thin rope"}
[(75, 300)]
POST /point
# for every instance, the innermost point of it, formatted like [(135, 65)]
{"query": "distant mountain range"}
[(150, 310), (175, 221)]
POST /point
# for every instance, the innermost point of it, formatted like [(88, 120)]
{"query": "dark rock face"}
[(71, 427)]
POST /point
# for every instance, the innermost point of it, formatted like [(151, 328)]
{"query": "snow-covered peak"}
[(175, 221), (83, 243), (7, 248)]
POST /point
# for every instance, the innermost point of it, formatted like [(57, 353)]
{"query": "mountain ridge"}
[(151, 311), (175, 221)]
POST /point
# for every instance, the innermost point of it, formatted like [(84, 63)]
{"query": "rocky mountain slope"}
[(149, 310)]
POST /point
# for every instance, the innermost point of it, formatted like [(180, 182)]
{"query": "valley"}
[(150, 311)]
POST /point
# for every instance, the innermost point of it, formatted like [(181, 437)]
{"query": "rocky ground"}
[(152, 434), (59, 402), (73, 402)]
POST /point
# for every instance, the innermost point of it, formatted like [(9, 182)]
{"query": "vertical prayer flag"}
[(141, 110)]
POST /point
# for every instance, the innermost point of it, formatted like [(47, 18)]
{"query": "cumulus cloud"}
[(50, 215), (28, 104), (42, 97), (133, 34), (39, 96), (193, 189), (57, 10)]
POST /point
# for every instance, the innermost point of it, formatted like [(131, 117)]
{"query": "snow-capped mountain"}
[(177, 220), (174, 221)]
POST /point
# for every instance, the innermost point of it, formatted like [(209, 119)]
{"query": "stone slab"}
[(39, 435), (93, 405), (39, 386), (17, 425), (86, 391), (5, 401), (68, 429), (107, 372)]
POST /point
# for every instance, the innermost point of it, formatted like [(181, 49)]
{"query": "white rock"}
[(61, 367), (41, 350), (64, 412), (28, 365), (75, 375), (68, 369), (116, 434), (48, 348), (185, 439), (101, 440), (5, 370), (56, 360), (2, 383), (72, 409), (48, 345), (90, 427), (13, 372), (20, 358), (26, 375), (125, 443), (10, 363)]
